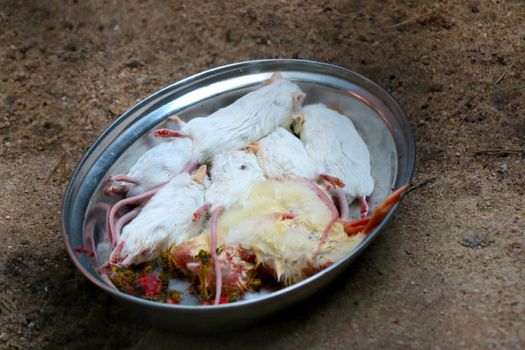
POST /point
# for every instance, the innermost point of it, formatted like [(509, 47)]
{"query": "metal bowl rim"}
[(273, 295)]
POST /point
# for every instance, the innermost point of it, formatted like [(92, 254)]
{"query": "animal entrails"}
[(227, 269), (233, 265)]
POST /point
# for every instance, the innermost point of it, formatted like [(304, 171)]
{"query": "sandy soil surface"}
[(448, 272)]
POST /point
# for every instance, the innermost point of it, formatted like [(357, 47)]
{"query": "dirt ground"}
[(449, 270)]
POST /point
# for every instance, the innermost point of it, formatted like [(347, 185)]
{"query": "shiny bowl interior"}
[(375, 113)]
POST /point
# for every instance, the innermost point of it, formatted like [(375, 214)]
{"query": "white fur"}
[(232, 175), (245, 121), (332, 141), (282, 155), (159, 164), (165, 220)]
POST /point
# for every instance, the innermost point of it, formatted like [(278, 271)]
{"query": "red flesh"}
[(223, 300), (354, 230), (82, 250), (150, 284)]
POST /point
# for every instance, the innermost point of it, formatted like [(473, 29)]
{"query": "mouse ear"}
[(298, 119), (200, 174), (298, 97), (253, 148), (275, 76)]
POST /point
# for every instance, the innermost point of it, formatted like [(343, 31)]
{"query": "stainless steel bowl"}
[(375, 113)]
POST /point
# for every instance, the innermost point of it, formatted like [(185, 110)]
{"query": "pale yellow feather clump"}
[(284, 244)]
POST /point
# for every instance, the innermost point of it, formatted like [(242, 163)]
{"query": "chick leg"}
[(333, 210), (366, 224), (383, 208), (218, 274), (353, 227)]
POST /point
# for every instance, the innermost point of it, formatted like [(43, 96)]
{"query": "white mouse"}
[(331, 140), (164, 221), (243, 122)]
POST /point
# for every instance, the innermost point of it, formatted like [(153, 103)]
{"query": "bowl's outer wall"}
[(122, 133)]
